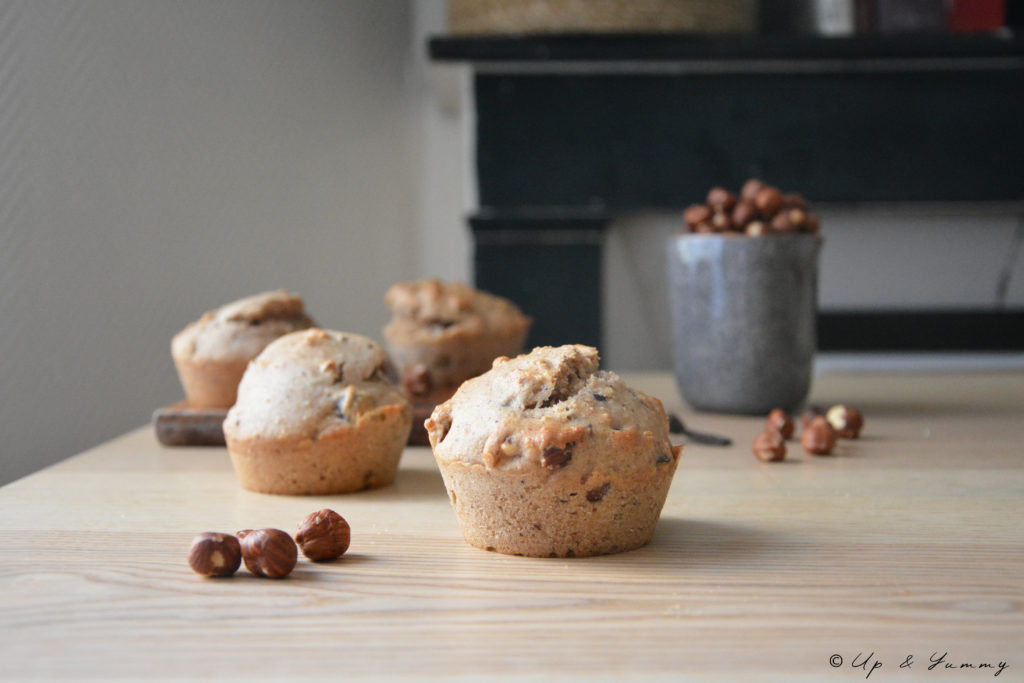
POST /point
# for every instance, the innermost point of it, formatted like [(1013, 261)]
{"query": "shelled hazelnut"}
[(809, 413), (750, 189), (768, 201), (760, 210), (846, 420), (696, 214), (780, 422), (818, 437), (721, 199), (769, 446), (268, 552), (214, 554), (323, 535)]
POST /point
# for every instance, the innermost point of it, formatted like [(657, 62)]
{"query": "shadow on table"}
[(680, 544)]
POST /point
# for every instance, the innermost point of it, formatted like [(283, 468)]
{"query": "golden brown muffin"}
[(546, 456), (442, 334), (316, 414), (211, 354)]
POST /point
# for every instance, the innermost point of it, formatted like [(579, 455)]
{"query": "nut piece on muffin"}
[(547, 456), (441, 334), (211, 353), (315, 415)]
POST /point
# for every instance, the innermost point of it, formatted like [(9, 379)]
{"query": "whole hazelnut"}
[(268, 552), (704, 227), (769, 446), (794, 201), (811, 224), (415, 382), (721, 199), (323, 535), (698, 213), (818, 437), (780, 422), (781, 223), (750, 189), (768, 201), (809, 413), (744, 212), (846, 420), (797, 217), (756, 229), (721, 221), (214, 554)]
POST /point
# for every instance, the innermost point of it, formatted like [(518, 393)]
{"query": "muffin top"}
[(241, 329), (548, 409), (309, 383), (426, 310)]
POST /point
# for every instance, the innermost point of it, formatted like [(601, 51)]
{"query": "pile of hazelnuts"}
[(272, 553), (819, 434), (759, 210)]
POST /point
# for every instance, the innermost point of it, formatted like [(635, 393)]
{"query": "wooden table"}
[(907, 542)]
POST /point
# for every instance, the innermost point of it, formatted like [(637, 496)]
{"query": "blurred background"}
[(160, 159)]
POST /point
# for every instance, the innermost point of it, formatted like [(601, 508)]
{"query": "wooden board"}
[(906, 542), (180, 425)]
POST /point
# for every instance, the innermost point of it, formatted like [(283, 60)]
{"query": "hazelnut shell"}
[(323, 535)]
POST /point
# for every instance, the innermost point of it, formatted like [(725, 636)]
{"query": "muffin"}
[(211, 354), (316, 414), (547, 456), (442, 334)]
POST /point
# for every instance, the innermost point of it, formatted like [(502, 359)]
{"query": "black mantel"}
[(572, 129), (699, 48)]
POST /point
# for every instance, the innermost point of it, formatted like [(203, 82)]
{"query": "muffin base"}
[(345, 460), (449, 360), (210, 384), (538, 514)]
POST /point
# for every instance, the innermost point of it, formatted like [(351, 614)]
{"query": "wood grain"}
[(908, 541)]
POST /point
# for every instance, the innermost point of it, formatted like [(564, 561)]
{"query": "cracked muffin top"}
[(309, 383), (550, 409), (241, 329), (425, 310)]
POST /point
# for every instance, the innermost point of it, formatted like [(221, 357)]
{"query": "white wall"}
[(158, 159)]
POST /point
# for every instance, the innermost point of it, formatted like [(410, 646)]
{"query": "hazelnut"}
[(780, 422), (797, 217), (750, 189), (818, 438), (704, 227), (744, 212), (794, 201), (768, 201), (323, 535), (756, 229), (214, 554), (721, 199), (769, 446), (782, 224), (846, 420), (720, 221), (811, 224), (810, 412), (268, 552), (416, 381), (698, 213)]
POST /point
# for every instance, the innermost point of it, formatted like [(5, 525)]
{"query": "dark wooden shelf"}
[(574, 129), (684, 47)]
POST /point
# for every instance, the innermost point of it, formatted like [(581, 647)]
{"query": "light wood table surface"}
[(908, 541)]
